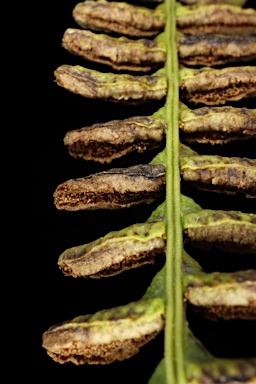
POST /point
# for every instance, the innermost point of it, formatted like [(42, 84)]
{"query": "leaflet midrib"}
[(173, 350)]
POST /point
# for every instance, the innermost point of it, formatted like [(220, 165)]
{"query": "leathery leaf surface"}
[(118, 333), (141, 243)]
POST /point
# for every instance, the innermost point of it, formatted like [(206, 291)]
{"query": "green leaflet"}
[(215, 173), (141, 243), (212, 86), (215, 18), (159, 375), (145, 183), (120, 17), (142, 21), (143, 55), (215, 125), (201, 366), (119, 52), (111, 87), (106, 336), (131, 247)]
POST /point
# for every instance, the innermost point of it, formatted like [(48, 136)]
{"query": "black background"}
[(47, 297)]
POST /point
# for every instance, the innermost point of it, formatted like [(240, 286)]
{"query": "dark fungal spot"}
[(201, 111), (220, 215), (217, 216), (149, 43), (234, 216), (217, 39)]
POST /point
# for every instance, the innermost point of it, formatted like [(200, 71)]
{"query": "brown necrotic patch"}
[(123, 88), (111, 140), (226, 312), (106, 336), (236, 175), (117, 188), (102, 353), (217, 86), (223, 295), (217, 125), (230, 238), (215, 49), (115, 268), (116, 252), (119, 17), (120, 53), (135, 262), (215, 18)]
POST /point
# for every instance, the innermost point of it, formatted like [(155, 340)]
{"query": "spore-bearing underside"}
[(204, 76)]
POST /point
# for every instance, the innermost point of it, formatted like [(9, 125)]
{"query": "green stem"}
[(174, 356)]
